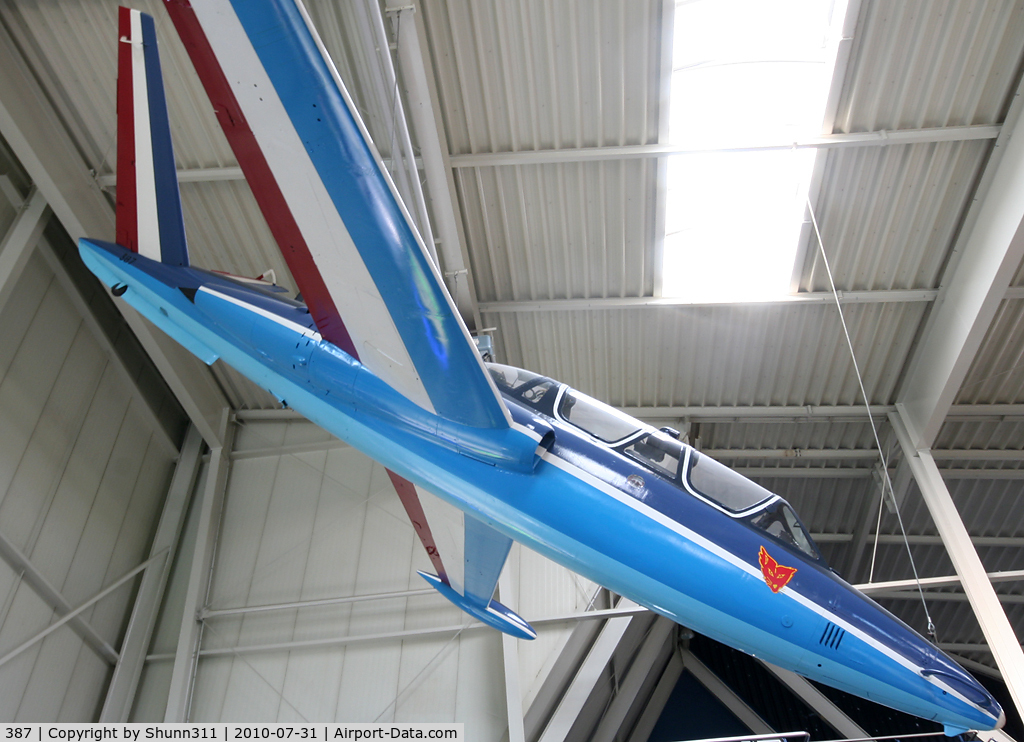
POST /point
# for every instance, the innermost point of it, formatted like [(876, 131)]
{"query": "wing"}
[(468, 582), (485, 553), (369, 283)]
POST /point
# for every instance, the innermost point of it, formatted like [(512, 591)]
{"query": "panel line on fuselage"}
[(663, 520), (283, 321), (739, 563)]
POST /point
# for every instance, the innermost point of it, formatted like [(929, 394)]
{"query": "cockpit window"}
[(511, 377), (658, 451), (531, 389), (728, 488), (600, 420), (779, 520)]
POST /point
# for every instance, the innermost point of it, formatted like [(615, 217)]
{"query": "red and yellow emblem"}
[(774, 573)]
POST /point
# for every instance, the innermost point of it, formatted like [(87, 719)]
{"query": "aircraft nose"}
[(1002, 719)]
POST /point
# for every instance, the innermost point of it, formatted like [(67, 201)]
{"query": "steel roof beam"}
[(751, 413), (986, 256), (736, 705), (859, 454), (510, 665), (815, 700), (630, 152), (430, 135), (860, 472), (667, 51), (53, 162), (635, 302), (1006, 648), (384, 89), (658, 700), (758, 413), (70, 617), (873, 588), (657, 641), (35, 579), (936, 595), (881, 296), (587, 676), (21, 238), (289, 450), (888, 539), (590, 154)]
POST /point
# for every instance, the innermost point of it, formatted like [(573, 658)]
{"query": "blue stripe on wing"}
[(173, 249), (433, 335)]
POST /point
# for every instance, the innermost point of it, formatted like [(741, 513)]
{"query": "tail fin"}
[(149, 219)]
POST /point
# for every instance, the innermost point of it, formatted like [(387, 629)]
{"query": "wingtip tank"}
[(494, 614)]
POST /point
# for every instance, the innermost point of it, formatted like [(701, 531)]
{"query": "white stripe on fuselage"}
[(145, 178), (728, 556), (284, 322), (664, 521)]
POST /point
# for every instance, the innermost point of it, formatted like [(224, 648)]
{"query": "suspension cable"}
[(874, 429)]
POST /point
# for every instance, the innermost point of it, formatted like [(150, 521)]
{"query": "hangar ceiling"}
[(538, 138)]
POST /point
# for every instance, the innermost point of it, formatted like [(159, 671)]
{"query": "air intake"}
[(832, 636)]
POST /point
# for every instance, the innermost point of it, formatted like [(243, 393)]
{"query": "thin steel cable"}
[(432, 664), (871, 419), (260, 675), (878, 526)]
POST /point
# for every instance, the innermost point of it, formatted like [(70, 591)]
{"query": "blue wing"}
[(360, 264), (486, 551)]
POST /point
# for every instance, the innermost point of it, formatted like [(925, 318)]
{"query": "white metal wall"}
[(328, 524), (82, 479)]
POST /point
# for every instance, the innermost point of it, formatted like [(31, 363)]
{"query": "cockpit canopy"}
[(660, 452)]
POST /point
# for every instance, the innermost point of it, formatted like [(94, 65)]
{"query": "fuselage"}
[(606, 496)]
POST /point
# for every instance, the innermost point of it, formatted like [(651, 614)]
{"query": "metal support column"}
[(1004, 644), (186, 657), (725, 694), (587, 676), (510, 657), (121, 691), (817, 702), (403, 158), (986, 256), (436, 164), (654, 646)]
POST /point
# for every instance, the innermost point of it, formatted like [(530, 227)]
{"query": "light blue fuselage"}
[(655, 543)]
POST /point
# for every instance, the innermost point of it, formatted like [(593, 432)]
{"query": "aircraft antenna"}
[(874, 430)]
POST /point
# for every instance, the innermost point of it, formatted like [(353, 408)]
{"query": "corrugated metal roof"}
[(997, 372), (576, 230), (714, 356), (889, 215), (927, 63), (531, 75), (526, 76)]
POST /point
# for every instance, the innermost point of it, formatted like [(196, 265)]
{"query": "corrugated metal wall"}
[(82, 481), (327, 524)]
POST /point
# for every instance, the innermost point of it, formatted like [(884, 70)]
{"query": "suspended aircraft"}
[(378, 355)]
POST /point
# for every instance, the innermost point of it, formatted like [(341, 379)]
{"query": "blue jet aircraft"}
[(378, 356)]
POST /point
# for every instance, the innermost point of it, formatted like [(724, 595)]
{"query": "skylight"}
[(746, 73)]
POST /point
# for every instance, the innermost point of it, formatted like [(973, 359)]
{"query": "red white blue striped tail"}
[(149, 219)]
